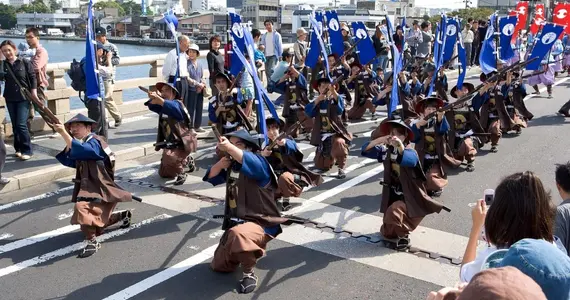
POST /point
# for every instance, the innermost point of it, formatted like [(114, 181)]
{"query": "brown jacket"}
[(336, 124), (472, 123), (418, 203), (293, 163), (501, 109), (441, 147), (94, 180), (254, 203), (173, 131), (360, 95), (293, 88)]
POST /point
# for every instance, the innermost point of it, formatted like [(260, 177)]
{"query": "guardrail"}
[(58, 92)]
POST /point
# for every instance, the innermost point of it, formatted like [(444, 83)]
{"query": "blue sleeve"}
[(302, 81), (216, 180), (280, 86), (310, 110), (443, 127), (479, 100), (380, 101), (64, 159), (409, 158), (255, 167), (90, 150), (173, 108), (290, 146), (444, 82), (351, 85), (504, 89), (377, 152), (373, 75), (340, 105), (416, 88), (212, 113), (406, 89), (153, 107), (417, 133)]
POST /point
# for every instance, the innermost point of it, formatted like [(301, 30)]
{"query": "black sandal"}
[(126, 216), (90, 249), (180, 179), (248, 283), (191, 164)]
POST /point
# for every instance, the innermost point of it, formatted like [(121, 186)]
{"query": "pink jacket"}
[(39, 61)]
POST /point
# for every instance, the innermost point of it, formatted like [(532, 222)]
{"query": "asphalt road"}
[(166, 254)]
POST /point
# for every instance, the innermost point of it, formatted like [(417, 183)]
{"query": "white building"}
[(398, 9), (18, 3), (61, 21), (198, 5), (258, 11), (70, 3), (162, 6)]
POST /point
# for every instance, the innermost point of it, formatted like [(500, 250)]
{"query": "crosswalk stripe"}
[(164, 275), (37, 238), (75, 247), (4, 236)]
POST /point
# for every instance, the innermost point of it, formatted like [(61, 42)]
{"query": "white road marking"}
[(4, 236), (37, 238), (66, 215), (75, 247), (162, 276)]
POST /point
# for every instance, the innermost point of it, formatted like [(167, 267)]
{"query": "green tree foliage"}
[(134, 9), (109, 4), (464, 14), (36, 6), (7, 16), (54, 5)]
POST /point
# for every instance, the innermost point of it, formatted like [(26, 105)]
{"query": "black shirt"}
[(24, 72), (215, 63)]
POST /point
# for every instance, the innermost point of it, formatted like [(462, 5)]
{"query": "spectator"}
[(476, 42), (381, 48), (424, 47), (467, 37), (109, 77), (562, 223), (506, 283), (3, 180), (482, 33), (345, 31), (521, 209), (259, 57), (414, 37), (278, 72), (300, 47), (215, 62), (399, 38), (273, 45), (196, 89), (18, 72), (539, 260)]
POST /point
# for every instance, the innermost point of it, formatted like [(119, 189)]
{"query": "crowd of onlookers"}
[(526, 243)]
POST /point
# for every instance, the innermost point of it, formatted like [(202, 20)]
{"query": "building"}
[(18, 3), (198, 5), (67, 4), (504, 5), (258, 11), (162, 6), (370, 17), (200, 26), (44, 21), (237, 4), (286, 23), (397, 9)]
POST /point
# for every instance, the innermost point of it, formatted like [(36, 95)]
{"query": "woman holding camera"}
[(520, 208)]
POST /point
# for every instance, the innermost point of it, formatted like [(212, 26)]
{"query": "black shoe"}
[(285, 205), (118, 123), (191, 164), (564, 113), (470, 167), (435, 193), (494, 149), (341, 174), (90, 249), (248, 283), (126, 216), (180, 179)]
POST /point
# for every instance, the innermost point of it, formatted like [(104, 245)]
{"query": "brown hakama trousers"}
[(287, 186), (397, 223), (435, 179), (93, 217), (339, 154), (357, 111), (495, 131), (466, 150), (242, 244), (173, 162)]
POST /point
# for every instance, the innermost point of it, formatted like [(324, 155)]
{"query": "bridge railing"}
[(59, 93)]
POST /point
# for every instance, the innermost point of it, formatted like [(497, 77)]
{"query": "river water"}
[(66, 51)]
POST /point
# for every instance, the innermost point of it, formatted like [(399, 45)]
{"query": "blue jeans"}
[(195, 108), (19, 111), (270, 63), (383, 62)]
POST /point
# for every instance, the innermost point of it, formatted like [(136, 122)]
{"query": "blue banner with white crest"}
[(507, 29), (462, 55), (451, 30), (92, 80), (397, 59), (315, 45), (237, 31), (335, 36), (365, 47), (550, 32), (487, 57)]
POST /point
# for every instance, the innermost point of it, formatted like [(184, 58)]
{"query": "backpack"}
[(77, 76)]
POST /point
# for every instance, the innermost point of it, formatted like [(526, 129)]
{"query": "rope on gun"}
[(366, 238)]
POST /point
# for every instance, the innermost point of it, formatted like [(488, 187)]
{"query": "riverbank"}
[(163, 43)]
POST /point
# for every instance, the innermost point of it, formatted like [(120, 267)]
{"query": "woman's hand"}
[(266, 152), (478, 214)]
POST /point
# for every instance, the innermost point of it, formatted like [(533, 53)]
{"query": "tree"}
[(109, 4), (134, 9), (54, 5), (464, 14), (7, 16), (36, 6)]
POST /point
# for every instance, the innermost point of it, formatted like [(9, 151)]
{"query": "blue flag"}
[(365, 48), (462, 60), (438, 56), (172, 24), (318, 29), (487, 58), (335, 36), (452, 28), (237, 32), (550, 32), (92, 82), (394, 94), (507, 28), (315, 45)]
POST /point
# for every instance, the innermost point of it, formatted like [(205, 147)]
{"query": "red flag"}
[(567, 7), (538, 18), (521, 12), (560, 15)]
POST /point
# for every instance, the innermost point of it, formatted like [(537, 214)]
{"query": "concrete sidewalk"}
[(133, 139)]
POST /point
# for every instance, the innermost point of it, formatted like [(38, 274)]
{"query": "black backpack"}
[(77, 76)]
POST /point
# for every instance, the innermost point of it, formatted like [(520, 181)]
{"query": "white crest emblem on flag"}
[(451, 30), (561, 14), (522, 10), (361, 33), (333, 24), (237, 30), (548, 38), (509, 29)]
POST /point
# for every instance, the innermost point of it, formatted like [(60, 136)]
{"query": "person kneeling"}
[(251, 216), (95, 193)]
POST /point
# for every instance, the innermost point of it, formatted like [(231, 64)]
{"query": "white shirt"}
[(169, 68), (269, 45)]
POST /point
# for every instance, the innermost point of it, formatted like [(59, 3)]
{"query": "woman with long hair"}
[(215, 61)]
